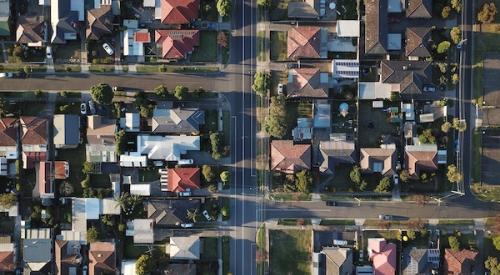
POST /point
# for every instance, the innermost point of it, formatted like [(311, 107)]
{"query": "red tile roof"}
[(304, 42), (176, 44), (30, 158), (383, 256), (179, 11), (179, 179), (459, 262), (142, 37), (102, 258), (7, 261), (288, 157), (8, 132), (33, 131)]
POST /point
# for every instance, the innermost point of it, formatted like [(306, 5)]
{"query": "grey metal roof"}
[(66, 129), (171, 212), (37, 250), (178, 121)]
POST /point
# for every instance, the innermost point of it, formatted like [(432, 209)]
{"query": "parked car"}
[(185, 193), (118, 89), (6, 75), (83, 108), (384, 217), (331, 203), (281, 88), (395, 179), (429, 88), (187, 225), (108, 48), (205, 214), (48, 51), (185, 161)]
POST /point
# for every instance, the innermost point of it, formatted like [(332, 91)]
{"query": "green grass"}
[(278, 10), (148, 174), (207, 51), (100, 181), (339, 181), (149, 69), (291, 197), (261, 45), (68, 108), (101, 68), (477, 143), (486, 192), (337, 222), (16, 67), (30, 108), (209, 251), (296, 110), (290, 251), (456, 222), (76, 158), (261, 237), (278, 46), (226, 121), (294, 222), (371, 137), (467, 241), (133, 251), (226, 252), (67, 68)]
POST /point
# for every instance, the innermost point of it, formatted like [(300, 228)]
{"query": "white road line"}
[(243, 132)]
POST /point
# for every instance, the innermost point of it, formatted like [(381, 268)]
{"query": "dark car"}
[(331, 203)]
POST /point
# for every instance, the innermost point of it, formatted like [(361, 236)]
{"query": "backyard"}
[(290, 252), (207, 51), (148, 174), (297, 109), (372, 125), (76, 158), (278, 46)]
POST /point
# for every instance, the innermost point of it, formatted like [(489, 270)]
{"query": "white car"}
[(281, 88), (429, 88), (185, 161), (108, 48), (205, 214), (395, 179), (83, 108), (185, 193), (187, 225), (48, 50)]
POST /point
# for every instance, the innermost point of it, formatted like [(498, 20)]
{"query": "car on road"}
[(108, 49), (205, 214), (395, 179), (429, 88), (48, 51), (185, 161), (331, 203), (185, 193), (83, 108), (118, 89), (6, 75), (281, 88), (187, 225), (384, 217)]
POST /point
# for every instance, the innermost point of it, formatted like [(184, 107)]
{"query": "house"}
[(181, 179), (180, 268), (100, 22), (142, 230), (176, 120), (347, 28), (383, 256), (30, 31), (338, 261), (100, 139), (68, 257), (64, 19), (307, 82), (417, 43), (376, 42), (421, 158), (102, 258), (178, 12), (419, 8), (171, 213), (4, 17), (459, 262), (34, 134), (66, 131), (306, 42), (406, 77), (131, 122), (46, 173), (8, 138), (177, 44), (287, 157), (167, 148), (336, 151), (37, 254), (7, 257), (379, 160), (133, 160), (420, 261), (185, 248), (134, 39)]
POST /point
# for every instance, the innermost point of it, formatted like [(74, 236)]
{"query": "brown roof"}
[(304, 42), (179, 11), (30, 30), (102, 258), (8, 132), (411, 75), (7, 261), (100, 22), (306, 82), (66, 256), (419, 9), (416, 42), (100, 130), (176, 44), (182, 178), (376, 27), (378, 160), (459, 262), (288, 157), (33, 130), (418, 160)]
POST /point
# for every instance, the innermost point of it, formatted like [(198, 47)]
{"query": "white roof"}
[(110, 207), (345, 68), (133, 161), (374, 90), (78, 6), (131, 122), (148, 3), (128, 267), (185, 248), (169, 148), (92, 208), (347, 28), (140, 189), (426, 118), (143, 230)]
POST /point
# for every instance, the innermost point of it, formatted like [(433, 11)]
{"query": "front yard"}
[(278, 46), (290, 251), (207, 51)]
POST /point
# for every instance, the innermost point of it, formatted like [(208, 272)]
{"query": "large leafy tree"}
[(261, 83), (384, 185), (102, 93), (208, 173), (303, 181), (454, 243), (275, 123), (453, 174), (487, 13), (224, 7)]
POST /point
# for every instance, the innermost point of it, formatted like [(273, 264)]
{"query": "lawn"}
[(68, 53), (208, 10), (467, 241), (373, 123), (476, 155), (339, 181), (209, 248), (337, 222), (148, 174), (348, 9), (486, 40), (278, 46), (211, 124), (279, 10), (290, 252), (486, 192), (294, 222), (29, 108), (133, 251), (76, 158), (101, 68), (207, 51), (290, 197), (296, 109), (261, 45), (226, 121), (456, 222), (100, 181), (67, 108), (226, 252)]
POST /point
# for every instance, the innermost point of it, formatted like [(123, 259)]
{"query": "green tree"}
[(120, 142), (455, 78), (264, 3), (456, 35), (496, 242), (443, 47), (384, 185), (215, 144), (224, 7), (180, 92), (275, 123), (404, 176), (143, 265), (192, 214), (87, 168), (161, 91), (456, 5), (303, 181), (445, 13), (487, 13), (225, 176), (427, 137), (363, 185), (454, 243), (445, 127), (459, 125), (38, 93), (7, 200), (492, 265), (85, 183), (92, 235), (453, 174), (355, 175), (261, 83), (208, 173), (411, 234), (102, 93), (107, 220), (63, 94), (224, 211), (212, 188)]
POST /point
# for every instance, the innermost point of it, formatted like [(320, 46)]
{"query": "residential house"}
[(142, 230), (185, 248), (180, 268), (8, 138), (459, 262), (177, 44), (131, 122), (68, 257), (134, 39), (421, 158), (406, 77), (7, 256), (181, 179), (170, 213), (306, 42), (176, 120), (287, 157), (383, 256), (417, 43), (4, 17), (101, 139), (100, 22), (336, 151), (178, 12), (31, 31), (345, 69), (37, 255), (102, 258), (379, 160), (66, 131), (420, 261), (419, 9), (307, 82), (34, 140), (64, 18), (338, 261), (46, 173), (166, 148), (376, 42)]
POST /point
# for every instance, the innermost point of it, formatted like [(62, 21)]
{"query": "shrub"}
[(92, 235), (456, 35), (487, 13), (445, 13), (384, 185), (454, 243), (443, 47)]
